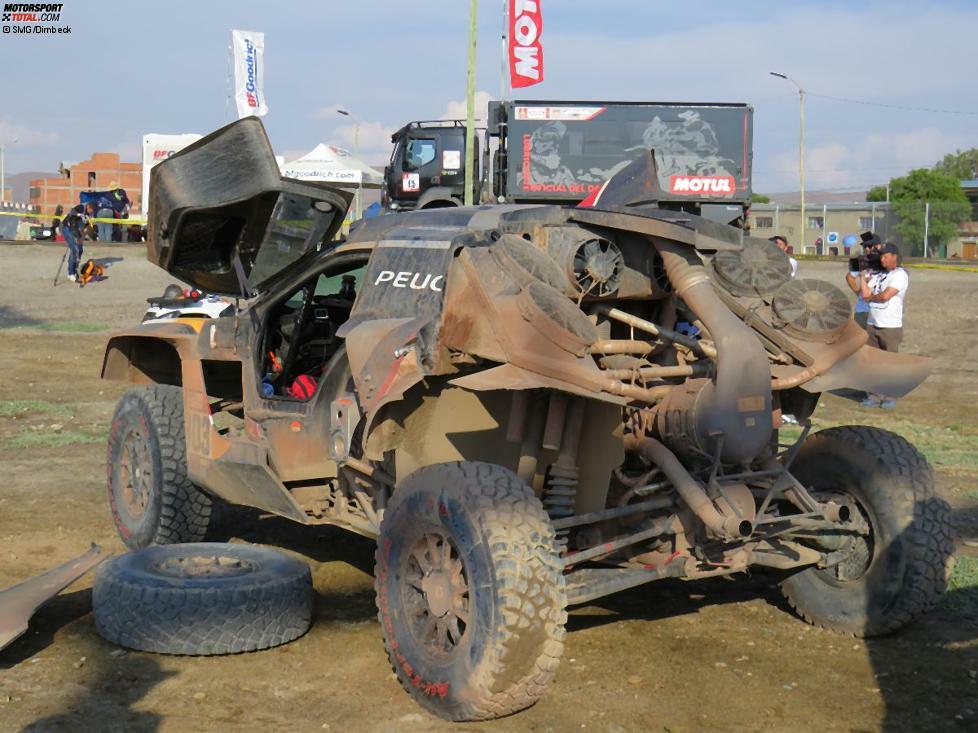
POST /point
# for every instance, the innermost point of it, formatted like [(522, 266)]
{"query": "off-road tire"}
[(147, 600), (510, 649), (176, 510), (912, 534)]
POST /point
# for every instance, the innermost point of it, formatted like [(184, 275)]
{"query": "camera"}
[(869, 261)]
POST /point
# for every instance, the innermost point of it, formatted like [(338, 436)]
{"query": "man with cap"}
[(782, 244), (72, 229), (871, 244), (884, 293)]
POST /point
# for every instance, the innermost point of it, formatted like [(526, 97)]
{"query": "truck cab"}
[(427, 166)]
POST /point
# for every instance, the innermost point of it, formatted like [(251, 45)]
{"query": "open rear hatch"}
[(223, 219)]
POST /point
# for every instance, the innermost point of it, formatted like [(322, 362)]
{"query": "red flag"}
[(525, 49)]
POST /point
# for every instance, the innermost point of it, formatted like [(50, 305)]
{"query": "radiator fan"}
[(597, 267), (812, 309), (759, 269)]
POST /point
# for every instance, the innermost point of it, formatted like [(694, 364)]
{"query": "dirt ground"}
[(724, 655)]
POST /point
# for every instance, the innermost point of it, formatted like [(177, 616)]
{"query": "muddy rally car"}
[(528, 407)]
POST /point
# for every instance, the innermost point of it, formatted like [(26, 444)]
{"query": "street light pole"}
[(3, 178), (356, 154), (801, 149)]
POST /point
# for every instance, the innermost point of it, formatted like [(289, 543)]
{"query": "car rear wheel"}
[(897, 568)]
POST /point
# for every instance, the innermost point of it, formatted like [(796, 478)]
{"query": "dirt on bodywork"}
[(637, 661)]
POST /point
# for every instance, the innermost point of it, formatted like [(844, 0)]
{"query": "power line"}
[(892, 106), (839, 170)]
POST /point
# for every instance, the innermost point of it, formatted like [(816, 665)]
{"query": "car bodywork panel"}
[(18, 603), (476, 334)]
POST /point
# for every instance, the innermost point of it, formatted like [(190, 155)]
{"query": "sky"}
[(127, 69)]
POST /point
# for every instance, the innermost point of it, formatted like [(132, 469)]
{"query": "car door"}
[(222, 218)]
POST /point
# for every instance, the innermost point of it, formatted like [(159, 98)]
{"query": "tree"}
[(910, 195), (876, 193), (960, 164), (760, 198)]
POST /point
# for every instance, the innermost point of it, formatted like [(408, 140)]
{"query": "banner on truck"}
[(248, 50), (525, 49), (156, 149)]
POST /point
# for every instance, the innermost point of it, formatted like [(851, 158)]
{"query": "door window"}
[(419, 153), (298, 226), (300, 338)]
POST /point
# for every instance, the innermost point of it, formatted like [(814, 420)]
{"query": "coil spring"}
[(560, 495)]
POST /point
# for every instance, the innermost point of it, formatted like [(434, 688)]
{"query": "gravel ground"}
[(707, 656)]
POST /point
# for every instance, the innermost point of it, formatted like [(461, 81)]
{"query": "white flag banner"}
[(248, 49)]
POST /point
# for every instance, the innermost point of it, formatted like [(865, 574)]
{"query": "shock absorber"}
[(560, 492)]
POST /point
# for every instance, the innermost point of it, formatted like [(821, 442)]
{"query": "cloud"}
[(130, 151), (456, 110), (874, 157), (24, 135), (375, 136)]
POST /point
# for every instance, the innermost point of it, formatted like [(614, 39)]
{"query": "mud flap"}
[(18, 604)]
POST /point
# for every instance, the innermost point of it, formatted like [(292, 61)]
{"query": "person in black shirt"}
[(72, 227)]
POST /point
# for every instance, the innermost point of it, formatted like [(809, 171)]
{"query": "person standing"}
[(72, 228), (782, 244), (871, 246), (885, 293), (105, 211)]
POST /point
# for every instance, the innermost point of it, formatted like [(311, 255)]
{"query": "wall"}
[(766, 220), (100, 172)]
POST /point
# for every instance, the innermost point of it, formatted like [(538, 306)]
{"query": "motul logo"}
[(705, 185), (525, 50)]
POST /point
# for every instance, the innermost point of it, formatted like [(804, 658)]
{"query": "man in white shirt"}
[(782, 244), (884, 293)]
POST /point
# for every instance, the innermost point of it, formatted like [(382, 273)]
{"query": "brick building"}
[(101, 172)]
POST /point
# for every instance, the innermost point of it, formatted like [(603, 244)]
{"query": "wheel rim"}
[(135, 474), (435, 594), (861, 548), (204, 566)]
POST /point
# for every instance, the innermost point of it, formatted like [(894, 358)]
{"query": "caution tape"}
[(948, 268), (26, 215)]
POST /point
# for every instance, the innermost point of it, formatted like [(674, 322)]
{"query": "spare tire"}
[(204, 598)]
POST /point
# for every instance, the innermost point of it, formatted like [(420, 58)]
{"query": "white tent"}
[(330, 164)]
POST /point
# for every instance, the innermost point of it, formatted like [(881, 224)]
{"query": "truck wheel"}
[(152, 500), (470, 591), (899, 570), (206, 598)]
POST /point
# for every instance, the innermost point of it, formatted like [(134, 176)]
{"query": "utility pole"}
[(503, 71), (801, 149), (470, 102), (3, 172), (356, 154), (926, 225)]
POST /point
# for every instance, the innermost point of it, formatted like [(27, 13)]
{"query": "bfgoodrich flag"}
[(525, 50), (248, 49)]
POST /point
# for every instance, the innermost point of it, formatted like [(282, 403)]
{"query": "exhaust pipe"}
[(735, 406), (688, 489)]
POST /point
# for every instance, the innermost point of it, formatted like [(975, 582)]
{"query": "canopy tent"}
[(330, 164)]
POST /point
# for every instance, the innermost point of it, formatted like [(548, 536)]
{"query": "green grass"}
[(19, 408), (951, 447), (962, 589), (52, 438), (74, 326)]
